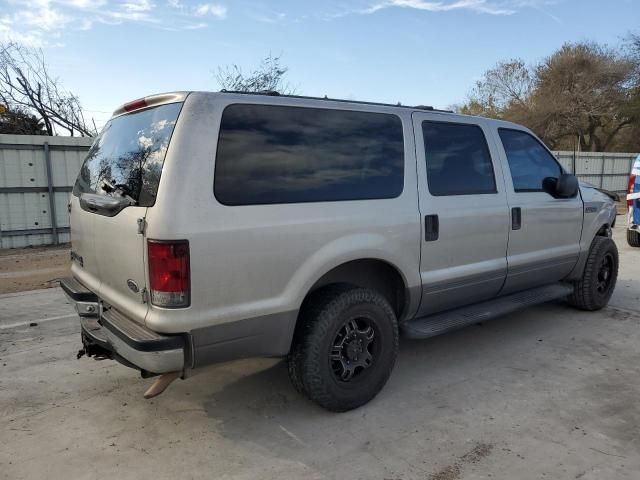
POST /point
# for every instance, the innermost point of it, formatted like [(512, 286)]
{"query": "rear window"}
[(276, 154), (129, 153), (458, 159)]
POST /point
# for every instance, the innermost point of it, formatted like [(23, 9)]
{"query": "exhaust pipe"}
[(161, 383)]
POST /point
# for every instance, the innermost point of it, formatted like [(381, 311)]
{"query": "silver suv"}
[(208, 227)]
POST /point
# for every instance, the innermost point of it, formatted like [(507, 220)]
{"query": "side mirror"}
[(565, 186)]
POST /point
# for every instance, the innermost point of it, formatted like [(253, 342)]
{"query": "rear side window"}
[(276, 154), (530, 163), (458, 159), (129, 153)]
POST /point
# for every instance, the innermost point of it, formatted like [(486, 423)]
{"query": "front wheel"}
[(345, 347), (598, 281), (633, 238)]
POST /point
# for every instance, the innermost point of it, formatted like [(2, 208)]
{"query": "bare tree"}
[(25, 83), (632, 43), (583, 91), (268, 77), (629, 138), (584, 94), (508, 85)]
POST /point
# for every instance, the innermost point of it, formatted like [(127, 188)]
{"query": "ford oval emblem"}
[(133, 286)]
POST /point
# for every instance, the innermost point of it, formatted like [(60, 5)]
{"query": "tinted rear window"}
[(130, 152), (275, 154)]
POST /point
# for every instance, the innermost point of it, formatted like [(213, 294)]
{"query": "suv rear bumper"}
[(106, 332)]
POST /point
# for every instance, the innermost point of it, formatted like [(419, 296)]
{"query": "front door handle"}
[(431, 228), (516, 218)]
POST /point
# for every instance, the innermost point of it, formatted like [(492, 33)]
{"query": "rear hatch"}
[(118, 182)]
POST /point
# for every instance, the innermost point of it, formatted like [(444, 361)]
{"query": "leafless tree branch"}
[(25, 83), (268, 77)]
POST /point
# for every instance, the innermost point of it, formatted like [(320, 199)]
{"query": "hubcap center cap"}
[(351, 352), (353, 349)]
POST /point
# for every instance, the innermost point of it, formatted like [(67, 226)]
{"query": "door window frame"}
[(488, 149)]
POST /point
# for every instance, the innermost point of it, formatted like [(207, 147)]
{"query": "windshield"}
[(128, 155)]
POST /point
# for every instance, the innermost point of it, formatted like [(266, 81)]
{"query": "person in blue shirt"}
[(633, 202)]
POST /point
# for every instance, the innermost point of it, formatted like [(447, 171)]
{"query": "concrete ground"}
[(549, 392)]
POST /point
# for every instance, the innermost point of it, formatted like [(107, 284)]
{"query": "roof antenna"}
[(399, 104)]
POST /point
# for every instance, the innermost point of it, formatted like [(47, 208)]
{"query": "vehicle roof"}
[(415, 108), (169, 97), (326, 98)]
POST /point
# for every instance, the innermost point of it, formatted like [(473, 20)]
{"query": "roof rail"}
[(270, 93), (273, 93)]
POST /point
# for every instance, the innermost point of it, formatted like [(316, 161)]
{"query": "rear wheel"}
[(345, 347), (594, 289), (633, 238)]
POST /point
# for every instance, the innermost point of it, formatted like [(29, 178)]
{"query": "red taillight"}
[(139, 103), (169, 273), (632, 183)]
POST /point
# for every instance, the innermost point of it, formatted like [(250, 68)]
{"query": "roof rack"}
[(273, 93)]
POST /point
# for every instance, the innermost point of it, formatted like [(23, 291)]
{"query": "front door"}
[(544, 242), (464, 212)]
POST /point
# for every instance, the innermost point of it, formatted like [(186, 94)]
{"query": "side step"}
[(438, 323)]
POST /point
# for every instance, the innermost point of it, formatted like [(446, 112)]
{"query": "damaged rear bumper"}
[(107, 333)]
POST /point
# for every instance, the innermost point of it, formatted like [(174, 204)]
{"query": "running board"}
[(438, 323)]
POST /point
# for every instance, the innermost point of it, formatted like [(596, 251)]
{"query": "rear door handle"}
[(431, 228), (516, 218)]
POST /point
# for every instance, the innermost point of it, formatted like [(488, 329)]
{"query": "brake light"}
[(134, 105), (169, 273), (632, 183)]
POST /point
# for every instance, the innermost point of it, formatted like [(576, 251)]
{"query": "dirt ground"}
[(23, 269)]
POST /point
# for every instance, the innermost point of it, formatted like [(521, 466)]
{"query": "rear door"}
[(464, 212), (126, 160), (544, 238)]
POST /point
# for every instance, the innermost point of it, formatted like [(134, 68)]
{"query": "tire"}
[(344, 348), (633, 238), (598, 281)]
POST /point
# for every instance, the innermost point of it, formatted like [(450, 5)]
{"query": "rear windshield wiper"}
[(118, 188)]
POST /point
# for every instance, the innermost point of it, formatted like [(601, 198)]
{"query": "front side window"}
[(458, 159), (530, 163), (278, 154)]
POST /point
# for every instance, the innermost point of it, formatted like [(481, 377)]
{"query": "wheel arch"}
[(373, 273), (603, 230)]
